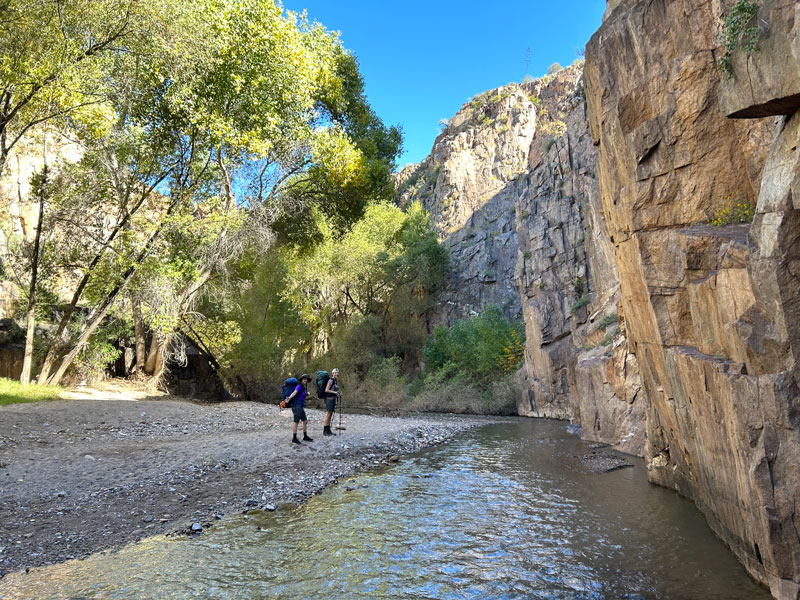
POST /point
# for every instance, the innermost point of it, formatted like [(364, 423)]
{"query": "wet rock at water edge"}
[(603, 462)]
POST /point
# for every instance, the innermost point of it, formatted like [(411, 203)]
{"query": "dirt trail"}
[(82, 475)]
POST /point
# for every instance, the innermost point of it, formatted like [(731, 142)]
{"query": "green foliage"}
[(608, 338), (206, 129), (736, 35), (733, 211), (554, 68), (13, 392), (583, 301), (578, 285), (270, 329), (554, 128), (607, 320), (355, 298), (486, 346)]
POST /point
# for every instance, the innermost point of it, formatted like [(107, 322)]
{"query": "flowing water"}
[(502, 512)]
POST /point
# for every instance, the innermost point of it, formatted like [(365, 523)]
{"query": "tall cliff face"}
[(577, 363), (712, 312), (465, 184), (511, 183)]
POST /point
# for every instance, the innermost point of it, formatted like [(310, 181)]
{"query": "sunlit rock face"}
[(712, 313)]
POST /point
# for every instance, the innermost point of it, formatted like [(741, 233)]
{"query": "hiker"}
[(331, 394), (297, 400)]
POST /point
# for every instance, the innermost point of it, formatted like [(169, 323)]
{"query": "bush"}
[(451, 390), (732, 212), (488, 345), (607, 320), (584, 300)]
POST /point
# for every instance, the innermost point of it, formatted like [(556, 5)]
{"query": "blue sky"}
[(422, 60)]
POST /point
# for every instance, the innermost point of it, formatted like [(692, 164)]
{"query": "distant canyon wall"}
[(512, 187)]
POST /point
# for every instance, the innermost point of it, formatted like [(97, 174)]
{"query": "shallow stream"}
[(506, 511)]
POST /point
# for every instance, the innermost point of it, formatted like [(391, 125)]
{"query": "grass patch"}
[(607, 320), (579, 304), (13, 392)]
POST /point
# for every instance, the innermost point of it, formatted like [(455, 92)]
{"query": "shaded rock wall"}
[(577, 362), (712, 313), (464, 184)]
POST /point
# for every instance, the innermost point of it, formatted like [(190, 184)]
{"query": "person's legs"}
[(305, 428), (294, 428), (330, 402)]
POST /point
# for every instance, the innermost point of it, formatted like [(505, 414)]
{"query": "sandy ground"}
[(112, 466)]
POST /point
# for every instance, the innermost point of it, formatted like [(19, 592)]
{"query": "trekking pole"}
[(340, 428)]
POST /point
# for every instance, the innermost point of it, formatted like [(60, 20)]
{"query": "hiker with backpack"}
[(328, 391), (297, 401)]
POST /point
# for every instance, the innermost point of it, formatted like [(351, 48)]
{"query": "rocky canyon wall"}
[(512, 188), (712, 312)]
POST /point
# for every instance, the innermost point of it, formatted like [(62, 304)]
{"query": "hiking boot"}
[(295, 440), (306, 438), (327, 430)]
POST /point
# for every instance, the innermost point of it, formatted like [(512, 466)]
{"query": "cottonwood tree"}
[(244, 114)]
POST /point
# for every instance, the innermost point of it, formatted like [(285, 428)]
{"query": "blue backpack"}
[(288, 387)]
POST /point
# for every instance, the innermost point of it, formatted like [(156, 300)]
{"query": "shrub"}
[(554, 68), (733, 211), (527, 254), (487, 345), (736, 35), (451, 390), (584, 300), (555, 128), (487, 122), (607, 320), (606, 341)]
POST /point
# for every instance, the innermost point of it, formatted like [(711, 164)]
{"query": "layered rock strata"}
[(712, 313)]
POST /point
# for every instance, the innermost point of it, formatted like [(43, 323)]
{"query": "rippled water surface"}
[(503, 512)]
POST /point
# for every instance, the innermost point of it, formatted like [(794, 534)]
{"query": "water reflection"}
[(505, 512)]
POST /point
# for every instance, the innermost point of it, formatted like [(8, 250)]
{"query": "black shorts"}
[(330, 403), (299, 414)]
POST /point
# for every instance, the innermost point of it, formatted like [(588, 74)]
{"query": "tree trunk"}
[(138, 332), (155, 358), (152, 356), (52, 351), (25, 377), (110, 299)]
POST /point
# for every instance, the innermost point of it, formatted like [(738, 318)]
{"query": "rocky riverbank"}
[(81, 476)]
